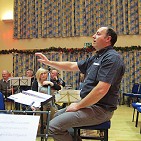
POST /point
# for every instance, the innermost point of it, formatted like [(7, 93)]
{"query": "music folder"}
[(31, 98)]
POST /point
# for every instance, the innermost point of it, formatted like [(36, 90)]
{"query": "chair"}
[(135, 105), (102, 127), (2, 105), (138, 94), (137, 117), (134, 91)]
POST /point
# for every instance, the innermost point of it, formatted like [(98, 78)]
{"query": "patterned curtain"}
[(22, 62), (127, 16), (132, 60), (67, 18), (139, 7), (44, 18), (72, 78), (119, 17), (134, 17), (54, 56)]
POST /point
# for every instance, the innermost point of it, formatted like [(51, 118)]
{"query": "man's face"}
[(29, 73), (100, 38), (5, 75), (54, 74)]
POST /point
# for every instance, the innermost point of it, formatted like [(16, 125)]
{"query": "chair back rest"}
[(139, 91), (2, 105), (135, 88)]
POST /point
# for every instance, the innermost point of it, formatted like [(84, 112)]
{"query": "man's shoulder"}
[(112, 53)]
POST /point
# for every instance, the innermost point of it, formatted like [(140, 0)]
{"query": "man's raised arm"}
[(66, 66)]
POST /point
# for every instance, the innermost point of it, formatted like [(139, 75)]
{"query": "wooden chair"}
[(102, 127)]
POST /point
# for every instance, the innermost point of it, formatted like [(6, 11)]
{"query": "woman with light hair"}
[(41, 83)]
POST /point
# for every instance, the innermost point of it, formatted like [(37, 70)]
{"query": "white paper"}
[(18, 127), (30, 98)]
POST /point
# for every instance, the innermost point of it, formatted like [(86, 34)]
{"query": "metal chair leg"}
[(137, 117), (133, 115)]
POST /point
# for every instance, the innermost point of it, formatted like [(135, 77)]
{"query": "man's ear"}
[(109, 38)]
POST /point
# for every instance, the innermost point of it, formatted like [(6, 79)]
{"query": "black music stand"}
[(19, 81), (42, 123)]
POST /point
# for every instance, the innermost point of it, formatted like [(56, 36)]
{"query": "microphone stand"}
[(49, 87), (48, 92)]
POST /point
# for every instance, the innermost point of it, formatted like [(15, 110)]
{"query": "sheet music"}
[(30, 97), (18, 127)]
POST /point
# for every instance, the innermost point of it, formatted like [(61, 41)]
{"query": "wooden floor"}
[(122, 128)]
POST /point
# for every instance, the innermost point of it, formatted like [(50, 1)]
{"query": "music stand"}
[(67, 96), (20, 81)]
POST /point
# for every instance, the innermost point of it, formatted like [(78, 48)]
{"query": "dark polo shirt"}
[(106, 66)]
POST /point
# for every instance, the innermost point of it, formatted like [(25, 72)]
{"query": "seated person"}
[(29, 73), (55, 78), (41, 83), (5, 87)]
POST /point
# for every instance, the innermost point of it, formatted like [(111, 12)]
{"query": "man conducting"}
[(99, 94)]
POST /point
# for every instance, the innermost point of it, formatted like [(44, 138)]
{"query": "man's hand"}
[(55, 78), (72, 107), (42, 58), (33, 108)]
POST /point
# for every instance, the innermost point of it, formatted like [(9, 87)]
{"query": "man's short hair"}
[(113, 34), (31, 71)]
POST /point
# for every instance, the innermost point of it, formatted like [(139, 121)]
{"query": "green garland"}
[(66, 50)]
